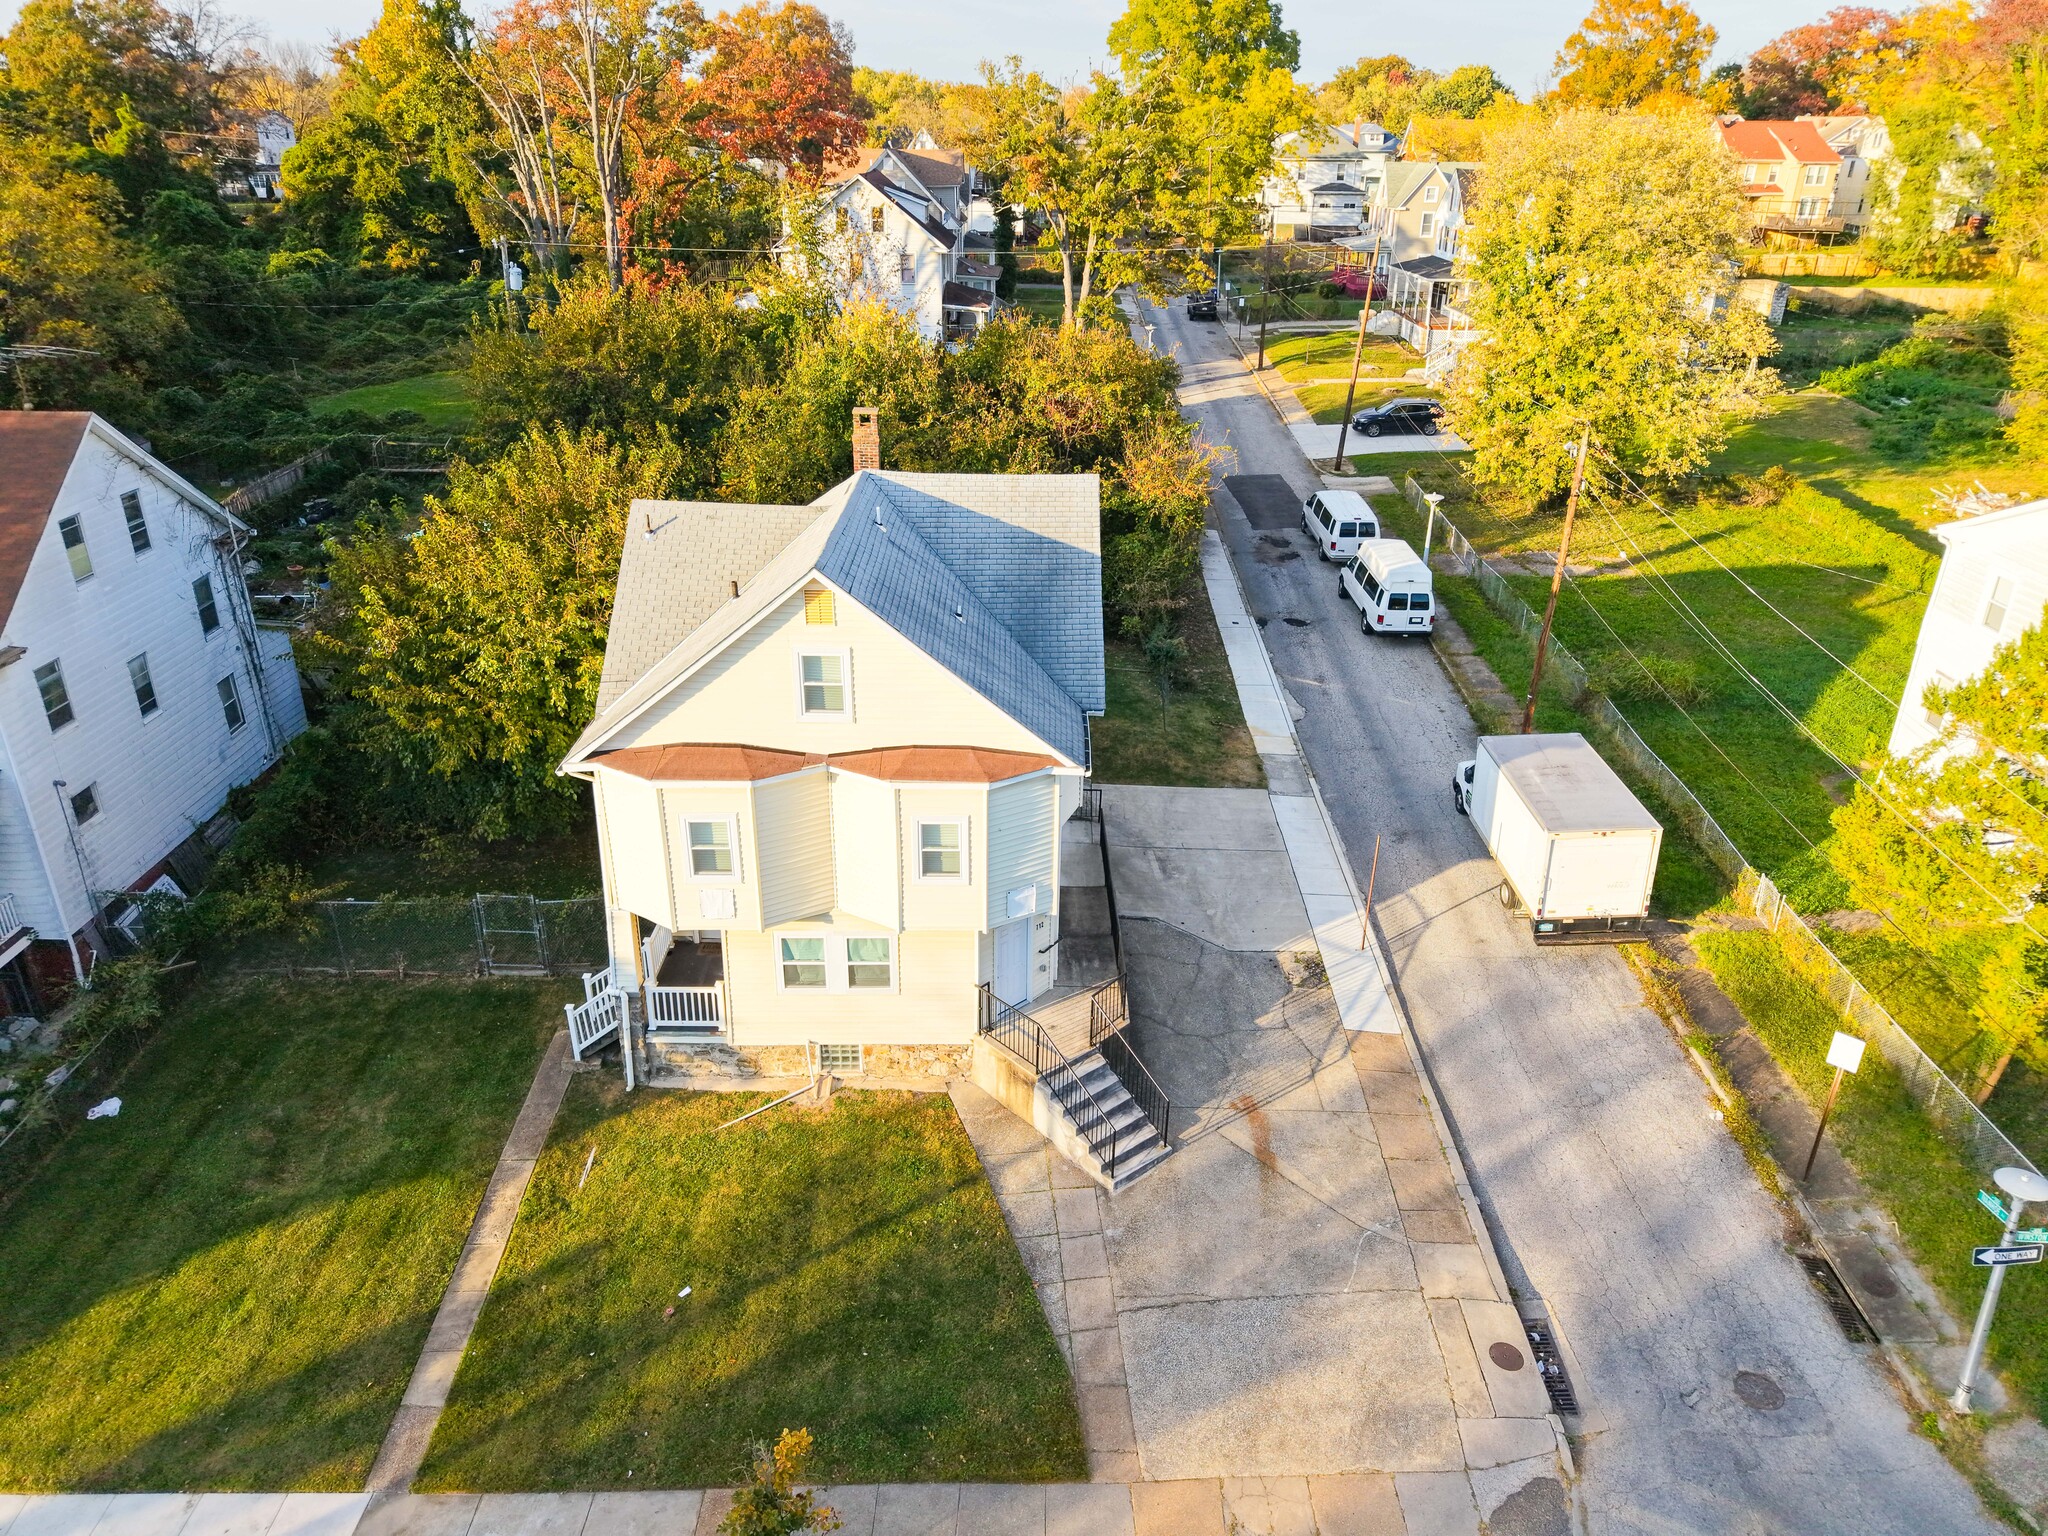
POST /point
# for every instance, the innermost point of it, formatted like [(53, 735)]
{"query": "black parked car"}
[(1202, 306), (1404, 415)]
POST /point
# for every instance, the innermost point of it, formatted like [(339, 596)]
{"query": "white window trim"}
[(732, 832), (836, 963), (845, 680), (918, 850), (1431, 193)]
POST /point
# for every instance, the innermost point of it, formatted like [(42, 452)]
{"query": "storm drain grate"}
[(1550, 1366), (1847, 1314)]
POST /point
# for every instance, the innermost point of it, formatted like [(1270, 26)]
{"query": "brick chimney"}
[(867, 438)]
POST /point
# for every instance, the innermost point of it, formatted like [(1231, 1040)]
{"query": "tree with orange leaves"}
[(768, 82)]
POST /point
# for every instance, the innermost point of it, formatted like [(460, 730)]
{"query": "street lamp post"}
[(2024, 1187)]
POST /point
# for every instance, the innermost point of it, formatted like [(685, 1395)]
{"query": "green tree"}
[(470, 652), (72, 65), (1465, 92), (67, 279), (1955, 837), (1384, 90), (1627, 51), (1589, 321), (382, 180)]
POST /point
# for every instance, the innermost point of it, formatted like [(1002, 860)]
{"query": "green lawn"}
[(1326, 355), (227, 1285), (1921, 1181), (1325, 402), (849, 1272), (1041, 301), (441, 398), (553, 868), (1196, 736)]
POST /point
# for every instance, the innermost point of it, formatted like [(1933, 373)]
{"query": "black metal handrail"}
[(1122, 1059), (1017, 1031)]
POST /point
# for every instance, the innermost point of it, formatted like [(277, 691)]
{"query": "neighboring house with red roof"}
[(892, 227), (136, 690), (1789, 173)]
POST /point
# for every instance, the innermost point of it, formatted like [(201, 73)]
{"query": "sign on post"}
[(1994, 1205), (1845, 1052), (2031, 1235), (2014, 1253)]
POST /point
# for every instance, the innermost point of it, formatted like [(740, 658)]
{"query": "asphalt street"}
[(1720, 1396)]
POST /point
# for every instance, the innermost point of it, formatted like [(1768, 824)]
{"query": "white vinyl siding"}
[(710, 901), (1020, 843), (864, 848), (748, 693), (793, 821), (933, 1000)]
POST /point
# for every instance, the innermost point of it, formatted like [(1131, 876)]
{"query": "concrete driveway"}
[(1614, 1193)]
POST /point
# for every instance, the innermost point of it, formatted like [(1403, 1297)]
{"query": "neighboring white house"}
[(136, 689), (834, 748), (1326, 183), (1419, 232), (1991, 590), (892, 226), (1865, 146)]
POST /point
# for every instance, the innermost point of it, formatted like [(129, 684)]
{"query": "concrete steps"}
[(1136, 1141)]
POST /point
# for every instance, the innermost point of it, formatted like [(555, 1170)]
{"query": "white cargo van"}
[(1389, 585), (1337, 520), (1578, 851)]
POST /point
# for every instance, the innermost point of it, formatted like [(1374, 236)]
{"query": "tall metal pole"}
[(1357, 356), (1974, 1360), (1265, 295), (1571, 512)]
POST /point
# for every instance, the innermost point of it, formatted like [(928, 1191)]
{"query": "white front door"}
[(1013, 962)]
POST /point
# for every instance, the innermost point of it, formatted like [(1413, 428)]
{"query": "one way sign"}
[(2017, 1253)]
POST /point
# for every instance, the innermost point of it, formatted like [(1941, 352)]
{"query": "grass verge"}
[(849, 1272), (227, 1285), (1197, 737), (1902, 1160)]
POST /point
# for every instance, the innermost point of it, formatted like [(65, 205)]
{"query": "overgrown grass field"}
[(227, 1285), (440, 398), (1190, 734), (848, 1272)]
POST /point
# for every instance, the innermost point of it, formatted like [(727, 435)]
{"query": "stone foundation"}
[(894, 1063)]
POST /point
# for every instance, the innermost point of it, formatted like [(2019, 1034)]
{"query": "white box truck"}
[(1579, 852)]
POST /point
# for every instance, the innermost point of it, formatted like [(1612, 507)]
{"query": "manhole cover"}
[(1506, 1356), (1758, 1390)]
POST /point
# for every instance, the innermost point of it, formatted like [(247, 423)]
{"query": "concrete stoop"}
[(1138, 1145)]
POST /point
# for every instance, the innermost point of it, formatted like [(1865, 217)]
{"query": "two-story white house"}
[(136, 689), (892, 227), (1991, 589), (1326, 182), (833, 751)]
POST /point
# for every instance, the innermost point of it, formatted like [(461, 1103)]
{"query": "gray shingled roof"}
[(677, 567), (879, 557), (1010, 563)]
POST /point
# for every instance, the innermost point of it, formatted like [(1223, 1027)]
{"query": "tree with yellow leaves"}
[(1627, 51)]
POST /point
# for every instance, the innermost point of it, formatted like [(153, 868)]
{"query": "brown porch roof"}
[(702, 763)]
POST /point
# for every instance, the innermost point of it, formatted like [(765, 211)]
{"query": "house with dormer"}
[(834, 748), (892, 228), (1327, 182)]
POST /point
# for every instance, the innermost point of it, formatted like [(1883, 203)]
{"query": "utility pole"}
[(1571, 511), (1265, 293), (1357, 356)]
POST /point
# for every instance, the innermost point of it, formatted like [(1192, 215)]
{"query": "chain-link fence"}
[(436, 936), (1951, 1110)]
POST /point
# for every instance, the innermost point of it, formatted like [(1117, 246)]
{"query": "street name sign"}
[(2017, 1253), (2031, 1235), (1994, 1205)]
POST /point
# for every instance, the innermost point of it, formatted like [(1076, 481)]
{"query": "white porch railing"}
[(10, 918), (686, 1008), (600, 1016)]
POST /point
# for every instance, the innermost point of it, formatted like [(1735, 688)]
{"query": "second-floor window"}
[(906, 268), (941, 850), (209, 612), (74, 547), (2001, 600), (138, 525), (1816, 174), (230, 702), (145, 690), (85, 804), (711, 844), (845, 221), (56, 699), (1749, 172), (875, 217), (1429, 223), (823, 683)]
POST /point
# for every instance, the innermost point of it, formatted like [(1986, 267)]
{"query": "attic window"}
[(844, 220), (818, 606), (875, 218)]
